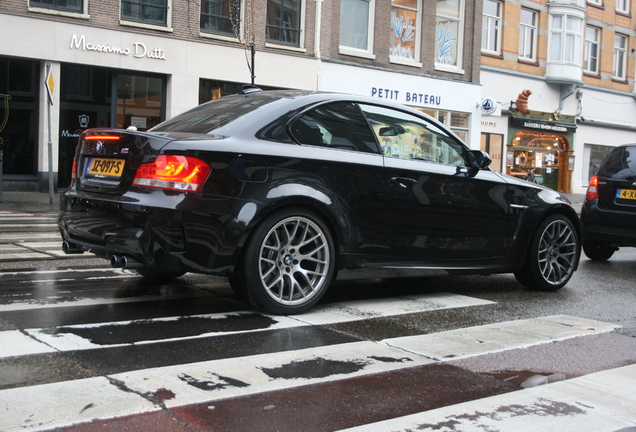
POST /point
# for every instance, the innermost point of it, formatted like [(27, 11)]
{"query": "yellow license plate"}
[(106, 167), (626, 194)]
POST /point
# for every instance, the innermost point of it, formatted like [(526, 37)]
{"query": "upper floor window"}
[(283, 21), (153, 12), (220, 17), (620, 56), (622, 6), (592, 49), (566, 35), (356, 26), (63, 5), (449, 34), (528, 35), (405, 36), (491, 27)]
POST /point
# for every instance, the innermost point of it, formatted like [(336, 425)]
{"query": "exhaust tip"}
[(115, 261), (70, 248)]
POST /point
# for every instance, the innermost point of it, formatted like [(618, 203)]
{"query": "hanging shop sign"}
[(137, 50)]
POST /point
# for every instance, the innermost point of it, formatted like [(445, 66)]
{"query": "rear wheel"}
[(553, 255), (288, 263), (598, 251)]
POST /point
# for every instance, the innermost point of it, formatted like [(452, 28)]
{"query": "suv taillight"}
[(184, 173), (592, 189)]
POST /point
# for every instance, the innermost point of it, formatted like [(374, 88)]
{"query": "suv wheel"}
[(598, 251)]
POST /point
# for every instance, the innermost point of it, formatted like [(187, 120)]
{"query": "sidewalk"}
[(29, 202)]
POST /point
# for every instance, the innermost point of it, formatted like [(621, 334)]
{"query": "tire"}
[(553, 255), (288, 263), (597, 251), (158, 275)]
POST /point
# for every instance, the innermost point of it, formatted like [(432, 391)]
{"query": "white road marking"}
[(72, 402), (345, 312), (15, 343)]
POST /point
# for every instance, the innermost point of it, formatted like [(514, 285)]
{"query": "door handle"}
[(404, 181)]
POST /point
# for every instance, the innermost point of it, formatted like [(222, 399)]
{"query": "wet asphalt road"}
[(80, 297)]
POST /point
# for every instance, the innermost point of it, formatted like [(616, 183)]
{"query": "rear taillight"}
[(182, 173), (101, 138), (74, 170), (592, 189)]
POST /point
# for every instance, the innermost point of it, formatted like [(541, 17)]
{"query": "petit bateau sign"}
[(137, 50)]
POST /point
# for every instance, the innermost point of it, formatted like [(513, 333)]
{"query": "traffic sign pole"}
[(50, 89)]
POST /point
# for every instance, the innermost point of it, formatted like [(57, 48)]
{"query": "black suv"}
[(609, 212)]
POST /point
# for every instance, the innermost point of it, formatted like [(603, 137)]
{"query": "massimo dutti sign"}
[(137, 50)]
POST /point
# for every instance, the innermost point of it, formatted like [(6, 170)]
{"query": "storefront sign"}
[(138, 50), (405, 96), (543, 125)]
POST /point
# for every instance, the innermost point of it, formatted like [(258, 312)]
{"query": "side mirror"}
[(481, 160)]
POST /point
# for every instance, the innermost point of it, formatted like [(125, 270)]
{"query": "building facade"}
[(562, 74), (68, 65)]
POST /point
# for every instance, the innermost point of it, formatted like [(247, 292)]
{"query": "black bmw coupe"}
[(285, 191)]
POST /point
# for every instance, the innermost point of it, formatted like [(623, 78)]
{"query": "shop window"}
[(284, 22), (493, 145), (458, 122), (491, 27), (449, 35), (405, 30), (139, 101), (595, 155), (76, 6), (356, 27), (79, 82), (221, 17), (544, 155), (19, 116), (153, 12)]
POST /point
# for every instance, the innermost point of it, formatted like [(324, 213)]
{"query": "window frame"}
[(563, 34), (353, 51), (487, 20), (620, 55), (533, 29), (81, 12), (415, 61), (300, 30), (622, 6), (218, 33), (588, 44), (460, 19), (131, 21)]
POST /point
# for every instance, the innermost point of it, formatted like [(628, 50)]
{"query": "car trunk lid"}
[(106, 160)]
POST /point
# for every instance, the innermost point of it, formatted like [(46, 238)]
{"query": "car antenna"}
[(249, 88)]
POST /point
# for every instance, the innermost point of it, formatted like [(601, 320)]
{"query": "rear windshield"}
[(620, 164), (212, 115)]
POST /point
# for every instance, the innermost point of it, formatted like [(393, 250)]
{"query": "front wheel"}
[(553, 255), (288, 263)]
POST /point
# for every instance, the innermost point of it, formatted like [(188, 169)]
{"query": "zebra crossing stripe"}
[(133, 392)]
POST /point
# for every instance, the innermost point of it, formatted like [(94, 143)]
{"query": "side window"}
[(406, 136), (338, 125)]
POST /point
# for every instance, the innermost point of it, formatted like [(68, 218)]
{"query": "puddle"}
[(528, 379), (316, 368)]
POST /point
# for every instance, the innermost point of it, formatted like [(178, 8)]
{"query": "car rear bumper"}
[(181, 236), (608, 226)]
